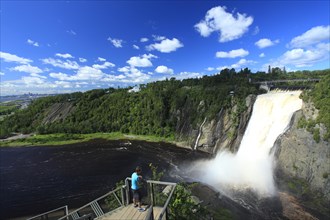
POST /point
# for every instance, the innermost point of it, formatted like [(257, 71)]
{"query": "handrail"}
[(167, 202), (93, 202), (54, 210)]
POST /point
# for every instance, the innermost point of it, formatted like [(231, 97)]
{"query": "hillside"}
[(170, 108)]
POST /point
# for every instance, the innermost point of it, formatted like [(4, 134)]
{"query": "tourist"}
[(136, 181)]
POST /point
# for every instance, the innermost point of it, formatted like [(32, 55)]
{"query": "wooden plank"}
[(129, 212)]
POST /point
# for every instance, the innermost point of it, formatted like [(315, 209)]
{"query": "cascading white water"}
[(252, 166)]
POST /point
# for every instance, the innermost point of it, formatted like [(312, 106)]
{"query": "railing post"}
[(127, 192), (122, 195), (152, 198)]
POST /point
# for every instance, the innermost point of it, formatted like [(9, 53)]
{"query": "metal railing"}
[(159, 195), (99, 206), (52, 214)]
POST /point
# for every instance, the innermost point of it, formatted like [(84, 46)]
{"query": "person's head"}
[(138, 169)]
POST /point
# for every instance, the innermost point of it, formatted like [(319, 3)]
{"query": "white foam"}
[(252, 166)]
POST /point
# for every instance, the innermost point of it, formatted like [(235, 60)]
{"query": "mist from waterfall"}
[(252, 166)]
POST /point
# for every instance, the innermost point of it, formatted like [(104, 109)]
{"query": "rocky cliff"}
[(303, 164), (225, 131)]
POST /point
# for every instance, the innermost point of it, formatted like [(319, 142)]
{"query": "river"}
[(38, 179)]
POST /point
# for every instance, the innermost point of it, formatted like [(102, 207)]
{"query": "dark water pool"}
[(37, 179)]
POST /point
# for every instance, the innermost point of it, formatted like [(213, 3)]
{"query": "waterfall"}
[(199, 134), (252, 166)]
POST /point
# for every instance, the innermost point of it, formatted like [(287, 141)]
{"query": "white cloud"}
[(64, 55), (71, 32), (141, 61), (31, 80), (82, 60), (68, 64), (33, 43), (265, 42), (131, 75), (27, 68), (105, 65), (64, 84), (241, 63), (166, 45), (136, 47), (262, 55), (185, 75), (158, 38), (232, 54), (210, 68), (60, 76), (164, 70), (301, 58), (101, 59), (313, 36), (2, 73), (256, 30), (144, 39), (13, 58), (116, 42), (230, 27)]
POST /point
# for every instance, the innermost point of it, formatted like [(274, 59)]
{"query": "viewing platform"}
[(117, 204)]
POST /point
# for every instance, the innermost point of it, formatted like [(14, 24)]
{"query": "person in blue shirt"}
[(137, 196)]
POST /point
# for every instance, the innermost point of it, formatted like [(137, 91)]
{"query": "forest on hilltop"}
[(158, 107)]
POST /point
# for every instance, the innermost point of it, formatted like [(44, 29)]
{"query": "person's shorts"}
[(137, 196)]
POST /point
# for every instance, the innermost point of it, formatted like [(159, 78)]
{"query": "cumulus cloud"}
[(210, 68), (241, 63), (305, 57), (7, 57), (186, 75), (313, 36), (33, 43), (82, 60), (141, 61), (2, 73), (101, 59), (144, 39), (232, 54), (105, 65), (164, 70), (229, 26), (165, 45), (136, 47), (262, 55), (64, 55), (27, 68), (265, 42), (133, 75), (116, 42), (158, 38), (68, 64), (32, 80)]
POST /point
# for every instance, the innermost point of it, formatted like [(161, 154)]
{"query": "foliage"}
[(184, 207), (111, 200), (320, 96), (155, 174), (159, 109)]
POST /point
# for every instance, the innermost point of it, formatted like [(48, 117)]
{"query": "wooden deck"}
[(129, 212)]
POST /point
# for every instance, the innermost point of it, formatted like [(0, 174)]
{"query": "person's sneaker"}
[(135, 206), (142, 209)]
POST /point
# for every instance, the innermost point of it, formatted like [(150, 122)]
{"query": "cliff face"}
[(221, 132), (303, 165)]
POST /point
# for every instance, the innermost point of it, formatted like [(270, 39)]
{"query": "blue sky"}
[(67, 46)]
